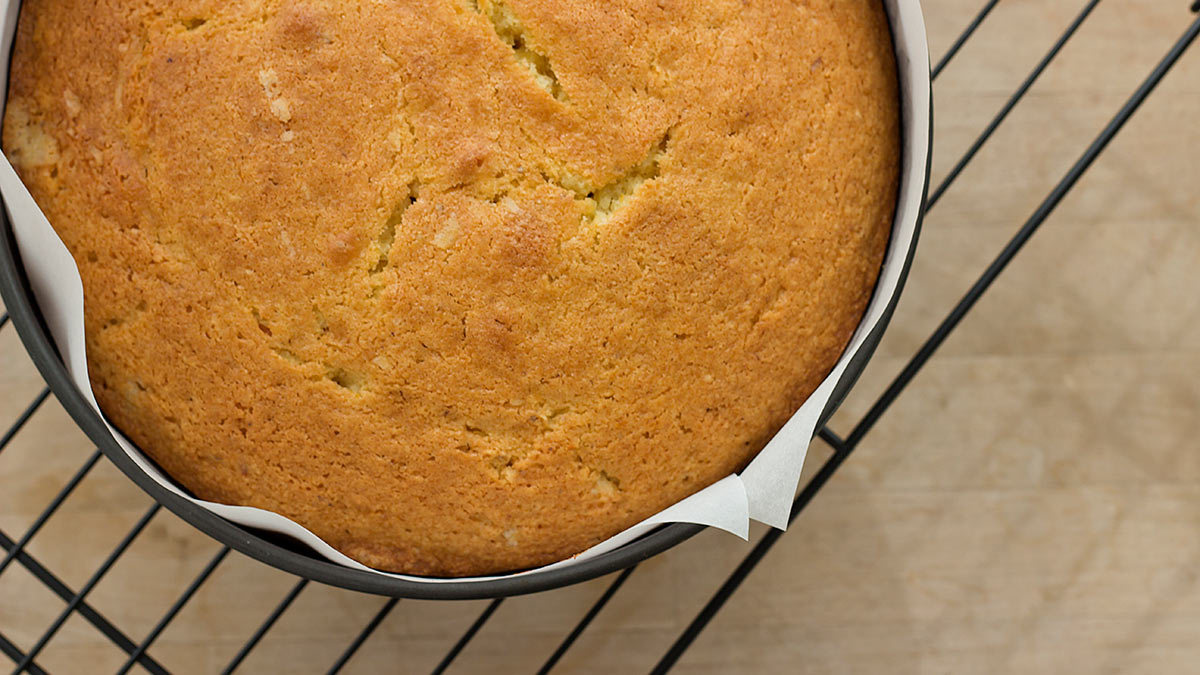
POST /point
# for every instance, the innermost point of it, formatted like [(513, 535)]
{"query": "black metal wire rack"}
[(140, 652)]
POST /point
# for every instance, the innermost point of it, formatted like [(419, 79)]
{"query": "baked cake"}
[(461, 286)]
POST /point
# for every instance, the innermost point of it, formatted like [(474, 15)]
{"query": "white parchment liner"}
[(763, 492)]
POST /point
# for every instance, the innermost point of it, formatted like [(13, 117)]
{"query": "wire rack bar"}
[(23, 418), (265, 627), (586, 620), (50, 510), (1012, 102), (963, 37), (1024, 234), (13, 652), (960, 310), (3, 320), (175, 608), (362, 636), (87, 588), (466, 638), (85, 610), (831, 439)]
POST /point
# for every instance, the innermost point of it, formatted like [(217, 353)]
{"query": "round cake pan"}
[(279, 551)]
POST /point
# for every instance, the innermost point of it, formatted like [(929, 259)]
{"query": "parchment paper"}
[(763, 492)]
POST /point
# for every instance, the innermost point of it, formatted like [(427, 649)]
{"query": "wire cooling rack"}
[(140, 652)]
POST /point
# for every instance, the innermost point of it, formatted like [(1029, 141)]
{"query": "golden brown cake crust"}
[(460, 287)]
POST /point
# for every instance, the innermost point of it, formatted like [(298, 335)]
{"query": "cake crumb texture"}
[(461, 286)]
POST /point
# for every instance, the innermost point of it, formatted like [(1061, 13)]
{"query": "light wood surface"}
[(1030, 505)]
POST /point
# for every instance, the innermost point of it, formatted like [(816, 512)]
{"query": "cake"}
[(461, 286)]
